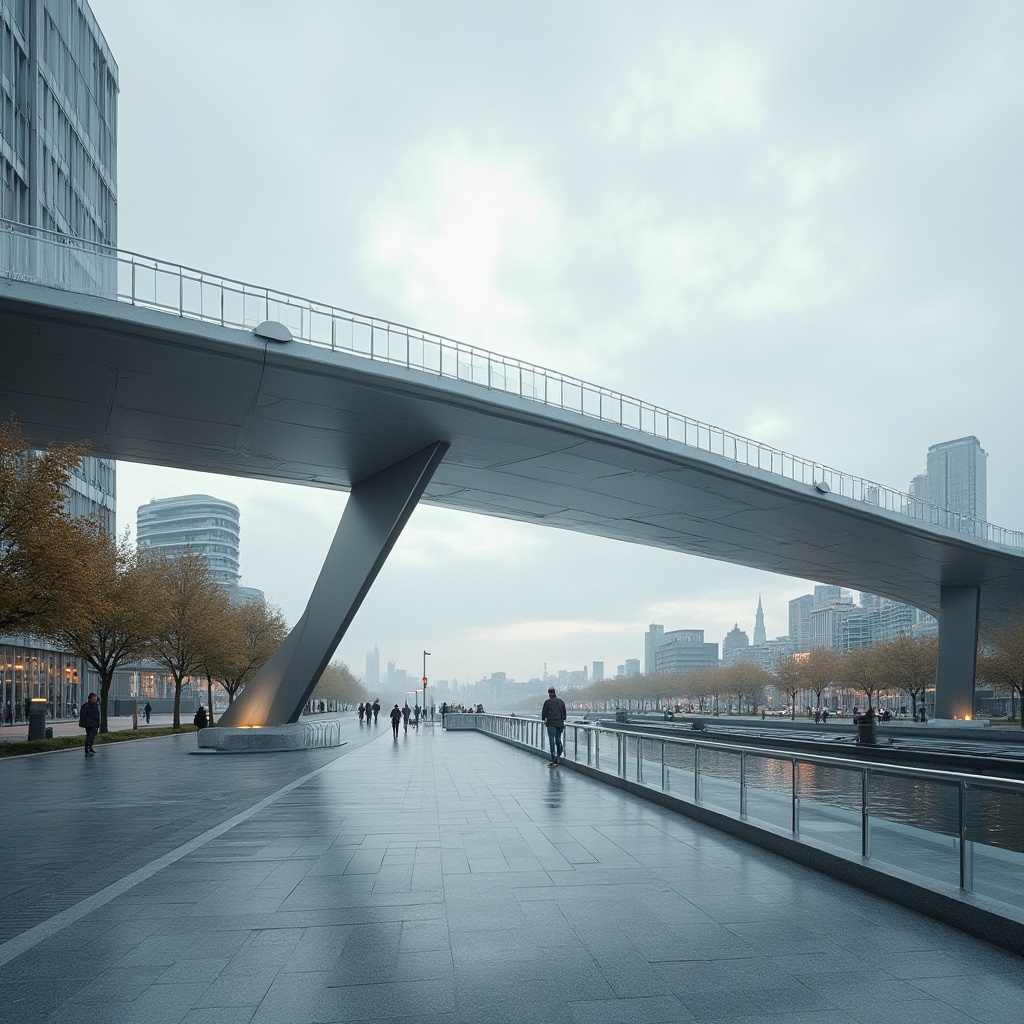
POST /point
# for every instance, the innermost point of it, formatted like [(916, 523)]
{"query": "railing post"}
[(865, 818), (743, 783), (696, 773), (966, 846), (796, 798), (622, 755), (597, 748), (664, 775), (639, 759)]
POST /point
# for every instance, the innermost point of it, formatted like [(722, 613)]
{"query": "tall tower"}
[(372, 680), (956, 480), (759, 634), (957, 477)]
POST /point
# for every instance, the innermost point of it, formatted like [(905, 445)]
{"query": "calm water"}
[(994, 817)]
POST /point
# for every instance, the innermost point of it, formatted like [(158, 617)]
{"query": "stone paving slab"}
[(448, 878)]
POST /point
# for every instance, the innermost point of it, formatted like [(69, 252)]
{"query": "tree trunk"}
[(105, 681), (209, 696), (176, 723)]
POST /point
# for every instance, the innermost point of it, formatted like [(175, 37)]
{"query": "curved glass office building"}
[(194, 522)]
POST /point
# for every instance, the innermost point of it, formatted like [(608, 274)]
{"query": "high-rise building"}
[(58, 173), (759, 633), (955, 480), (632, 667), (58, 156), (597, 671), (194, 522), (800, 609), (651, 640), (372, 678)]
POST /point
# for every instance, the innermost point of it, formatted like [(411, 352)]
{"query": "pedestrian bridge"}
[(157, 363)]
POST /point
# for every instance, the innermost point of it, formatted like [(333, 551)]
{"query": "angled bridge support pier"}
[(378, 509), (958, 651)]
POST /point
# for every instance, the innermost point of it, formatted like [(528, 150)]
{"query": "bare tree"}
[(338, 683), (790, 676), (861, 669), (257, 630), (193, 602), (909, 664), (819, 668), (1001, 661)]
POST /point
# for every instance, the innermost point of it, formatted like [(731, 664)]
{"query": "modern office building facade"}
[(956, 479), (58, 173), (58, 136), (194, 522), (683, 650)]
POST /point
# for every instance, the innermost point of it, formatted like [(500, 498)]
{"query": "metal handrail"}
[(147, 282), (528, 731)]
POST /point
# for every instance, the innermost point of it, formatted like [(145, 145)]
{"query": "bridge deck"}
[(441, 878)]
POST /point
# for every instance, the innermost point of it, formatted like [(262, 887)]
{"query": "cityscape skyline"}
[(717, 214)]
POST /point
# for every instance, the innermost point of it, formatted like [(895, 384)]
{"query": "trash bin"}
[(620, 716), (867, 733), (37, 718), (49, 732)]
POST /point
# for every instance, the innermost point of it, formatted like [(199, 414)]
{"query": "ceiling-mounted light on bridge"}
[(271, 330), (821, 487)]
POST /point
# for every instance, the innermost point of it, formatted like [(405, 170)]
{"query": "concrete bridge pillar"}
[(376, 513), (958, 651)]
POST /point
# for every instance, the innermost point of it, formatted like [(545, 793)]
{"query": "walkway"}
[(444, 878)]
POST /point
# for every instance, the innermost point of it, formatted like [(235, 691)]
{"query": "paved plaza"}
[(442, 878)]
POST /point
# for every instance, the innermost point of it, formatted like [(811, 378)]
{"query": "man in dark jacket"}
[(553, 715), (89, 720), (406, 712), (396, 717)]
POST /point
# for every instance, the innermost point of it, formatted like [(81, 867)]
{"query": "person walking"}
[(376, 709), (444, 711), (396, 717), (147, 711), (360, 711), (553, 715), (89, 720), (200, 721), (406, 712)]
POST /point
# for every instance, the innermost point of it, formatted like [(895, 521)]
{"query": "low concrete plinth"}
[(295, 736), (957, 723)]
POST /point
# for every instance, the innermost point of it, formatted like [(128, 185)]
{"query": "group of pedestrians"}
[(369, 711)]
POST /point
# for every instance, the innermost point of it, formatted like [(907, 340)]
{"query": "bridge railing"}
[(59, 261), (955, 830)]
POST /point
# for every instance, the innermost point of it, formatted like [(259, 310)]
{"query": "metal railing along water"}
[(963, 831), (58, 261)]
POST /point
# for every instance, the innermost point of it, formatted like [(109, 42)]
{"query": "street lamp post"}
[(426, 654)]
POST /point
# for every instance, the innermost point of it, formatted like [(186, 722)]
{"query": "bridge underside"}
[(144, 386)]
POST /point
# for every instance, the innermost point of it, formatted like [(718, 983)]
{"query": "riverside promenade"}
[(445, 878)]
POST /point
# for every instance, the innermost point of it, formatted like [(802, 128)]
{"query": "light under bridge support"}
[(958, 652), (376, 513)]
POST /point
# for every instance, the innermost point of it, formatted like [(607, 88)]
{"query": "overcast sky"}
[(798, 221)]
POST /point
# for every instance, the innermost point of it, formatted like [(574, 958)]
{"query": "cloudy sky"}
[(800, 221)]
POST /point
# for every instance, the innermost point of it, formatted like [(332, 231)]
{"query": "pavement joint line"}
[(47, 929)]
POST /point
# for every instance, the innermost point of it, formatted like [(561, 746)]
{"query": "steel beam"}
[(376, 513)]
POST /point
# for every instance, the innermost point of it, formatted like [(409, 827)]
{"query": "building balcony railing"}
[(59, 261)]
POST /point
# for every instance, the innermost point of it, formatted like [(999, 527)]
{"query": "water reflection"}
[(994, 817), (554, 795)]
